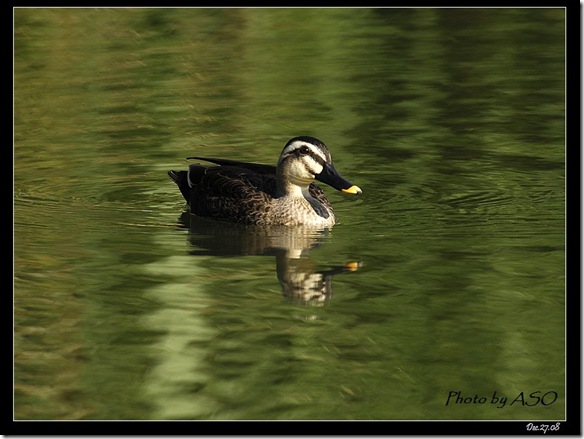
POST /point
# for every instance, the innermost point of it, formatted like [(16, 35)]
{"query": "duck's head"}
[(305, 159)]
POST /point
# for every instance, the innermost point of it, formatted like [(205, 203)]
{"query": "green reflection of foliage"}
[(451, 120)]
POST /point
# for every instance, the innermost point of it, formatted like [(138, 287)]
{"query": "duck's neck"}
[(298, 190), (290, 187)]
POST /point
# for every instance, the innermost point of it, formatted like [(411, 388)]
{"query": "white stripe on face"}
[(313, 165), (298, 144)]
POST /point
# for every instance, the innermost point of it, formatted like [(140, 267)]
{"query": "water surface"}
[(446, 275)]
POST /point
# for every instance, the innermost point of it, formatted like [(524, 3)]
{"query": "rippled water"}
[(445, 276)]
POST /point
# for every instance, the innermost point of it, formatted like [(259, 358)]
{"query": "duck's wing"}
[(254, 167), (317, 193), (227, 191), (228, 173)]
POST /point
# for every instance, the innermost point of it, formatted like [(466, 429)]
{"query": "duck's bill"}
[(330, 176), (355, 190)]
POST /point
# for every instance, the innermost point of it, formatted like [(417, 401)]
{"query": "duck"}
[(259, 194)]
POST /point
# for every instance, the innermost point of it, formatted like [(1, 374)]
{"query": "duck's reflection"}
[(300, 281)]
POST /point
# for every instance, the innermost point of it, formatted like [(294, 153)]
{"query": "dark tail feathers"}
[(181, 180)]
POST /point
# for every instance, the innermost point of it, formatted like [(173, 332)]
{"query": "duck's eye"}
[(304, 150)]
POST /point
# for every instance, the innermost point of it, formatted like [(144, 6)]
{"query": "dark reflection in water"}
[(301, 282)]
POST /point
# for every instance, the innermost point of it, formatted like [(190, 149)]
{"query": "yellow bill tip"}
[(355, 190), (353, 265)]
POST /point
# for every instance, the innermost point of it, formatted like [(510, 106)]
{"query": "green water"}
[(450, 120)]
